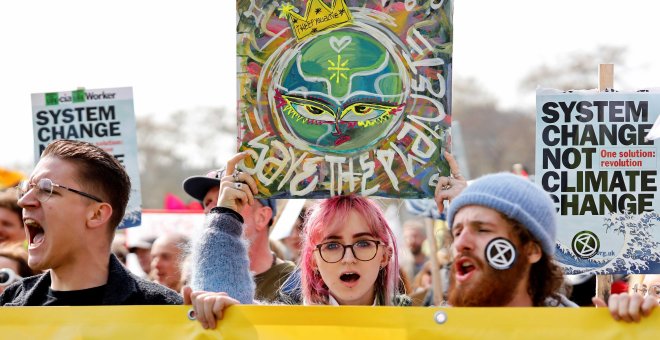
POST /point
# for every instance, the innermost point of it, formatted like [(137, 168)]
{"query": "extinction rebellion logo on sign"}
[(585, 244)]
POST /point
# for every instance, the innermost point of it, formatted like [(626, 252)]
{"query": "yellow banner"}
[(321, 322)]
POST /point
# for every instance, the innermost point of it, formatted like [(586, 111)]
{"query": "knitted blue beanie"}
[(515, 197)]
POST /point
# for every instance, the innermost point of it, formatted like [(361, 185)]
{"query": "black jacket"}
[(122, 288)]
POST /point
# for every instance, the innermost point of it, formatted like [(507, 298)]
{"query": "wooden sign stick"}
[(436, 284), (605, 82)]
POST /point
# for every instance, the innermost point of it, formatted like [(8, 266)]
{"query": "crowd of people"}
[(58, 246)]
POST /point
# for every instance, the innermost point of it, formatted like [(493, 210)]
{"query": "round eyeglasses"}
[(333, 252), (652, 290), (44, 189)]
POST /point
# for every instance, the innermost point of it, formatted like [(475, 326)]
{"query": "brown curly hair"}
[(545, 276)]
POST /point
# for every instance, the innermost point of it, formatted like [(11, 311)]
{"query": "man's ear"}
[(262, 217), (98, 215), (534, 252)]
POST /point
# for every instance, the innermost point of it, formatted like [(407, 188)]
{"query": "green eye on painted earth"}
[(362, 109), (366, 112), (314, 110), (308, 108)]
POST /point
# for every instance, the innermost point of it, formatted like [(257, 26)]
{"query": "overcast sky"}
[(181, 55)]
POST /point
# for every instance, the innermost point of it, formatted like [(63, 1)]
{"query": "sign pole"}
[(605, 77), (605, 82), (438, 295)]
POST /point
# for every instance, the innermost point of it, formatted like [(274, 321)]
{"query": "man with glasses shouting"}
[(72, 204)]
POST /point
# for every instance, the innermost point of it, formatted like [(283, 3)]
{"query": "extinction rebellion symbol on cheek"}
[(500, 253)]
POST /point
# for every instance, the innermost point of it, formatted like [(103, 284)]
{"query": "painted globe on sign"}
[(340, 92)]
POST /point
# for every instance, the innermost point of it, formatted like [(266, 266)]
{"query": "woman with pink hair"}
[(349, 255)]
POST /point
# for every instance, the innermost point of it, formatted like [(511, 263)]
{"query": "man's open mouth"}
[(36, 232), (464, 266)]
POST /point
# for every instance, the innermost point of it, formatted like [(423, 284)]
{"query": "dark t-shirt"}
[(83, 297), (269, 282), (122, 288)]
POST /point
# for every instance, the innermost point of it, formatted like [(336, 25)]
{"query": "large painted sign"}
[(104, 117), (344, 97), (592, 157)]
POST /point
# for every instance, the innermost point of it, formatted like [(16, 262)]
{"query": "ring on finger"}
[(235, 175), (238, 185)]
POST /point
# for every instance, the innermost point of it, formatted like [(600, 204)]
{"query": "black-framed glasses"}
[(652, 290), (45, 189), (333, 252)]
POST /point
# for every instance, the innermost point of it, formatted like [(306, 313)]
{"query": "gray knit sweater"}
[(219, 258)]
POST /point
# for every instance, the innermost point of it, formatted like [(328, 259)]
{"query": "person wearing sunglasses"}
[(72, 204)]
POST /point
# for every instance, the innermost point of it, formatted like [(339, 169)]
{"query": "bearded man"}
[(504, 230), (504, 234)]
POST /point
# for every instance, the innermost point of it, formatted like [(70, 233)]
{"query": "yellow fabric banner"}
[(321, 322)]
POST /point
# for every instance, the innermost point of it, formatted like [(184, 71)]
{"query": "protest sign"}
[(104, 117), (156, 223), (594, 161), (654, 133), (347, 97)]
